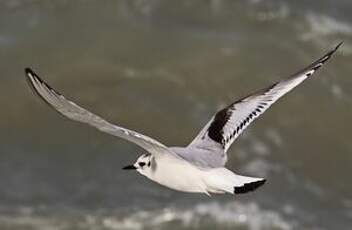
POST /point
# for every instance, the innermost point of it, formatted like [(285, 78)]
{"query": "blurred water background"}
[(163, 68)]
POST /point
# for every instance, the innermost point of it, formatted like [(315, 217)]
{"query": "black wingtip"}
[(28, 70), (31, 78), (338, 45), (248, 187), (30, 75), (318, 63), (329, 54)]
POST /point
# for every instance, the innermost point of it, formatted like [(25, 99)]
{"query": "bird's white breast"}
[(177, 174)]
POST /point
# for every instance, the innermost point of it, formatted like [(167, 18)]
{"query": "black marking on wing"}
[(215, 131), (221, 119), (248, 187)]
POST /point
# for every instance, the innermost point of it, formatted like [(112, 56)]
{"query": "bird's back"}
[(204, 158)]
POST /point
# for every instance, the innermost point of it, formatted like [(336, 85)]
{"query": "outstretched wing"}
[(77, 113), (227, 124)]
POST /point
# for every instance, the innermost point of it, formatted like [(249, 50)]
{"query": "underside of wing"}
[(74, 112), (227, 124)]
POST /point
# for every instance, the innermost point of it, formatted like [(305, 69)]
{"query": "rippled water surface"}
[(163, 68)]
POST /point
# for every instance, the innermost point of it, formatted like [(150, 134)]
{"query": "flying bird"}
[(199, 167)]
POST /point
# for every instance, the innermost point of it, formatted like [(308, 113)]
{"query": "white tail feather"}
[(221, 180)]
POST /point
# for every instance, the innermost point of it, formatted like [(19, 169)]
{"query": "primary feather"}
[(227, 124)]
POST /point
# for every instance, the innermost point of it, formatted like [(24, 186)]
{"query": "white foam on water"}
[(261, 167), (260, 148), (30, 222), (233, 214), (282, 12), (274, 136), (337, 91), (326, 25), (324, 30)]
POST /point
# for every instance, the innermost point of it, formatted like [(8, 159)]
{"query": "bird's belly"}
[(181, 177)]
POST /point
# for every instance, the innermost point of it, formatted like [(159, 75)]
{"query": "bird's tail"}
[(246, 184), (222, 180)]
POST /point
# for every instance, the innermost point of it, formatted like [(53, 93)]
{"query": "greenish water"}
[(163, 68)]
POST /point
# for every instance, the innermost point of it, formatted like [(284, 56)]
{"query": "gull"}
[(200, 166)]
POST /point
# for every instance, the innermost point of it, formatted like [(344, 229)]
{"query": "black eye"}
[(141, 164), (149, 164)]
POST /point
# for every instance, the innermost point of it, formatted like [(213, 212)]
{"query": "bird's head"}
[(143, 165)]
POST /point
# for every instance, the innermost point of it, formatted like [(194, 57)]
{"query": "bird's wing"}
[(227, 124), (74, 112)]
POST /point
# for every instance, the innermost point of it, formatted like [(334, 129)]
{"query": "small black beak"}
[(129, 167)]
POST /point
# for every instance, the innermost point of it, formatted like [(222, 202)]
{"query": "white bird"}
[(199, 167)]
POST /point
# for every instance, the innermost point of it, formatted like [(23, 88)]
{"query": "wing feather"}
[(227, 124), (74, 112)]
